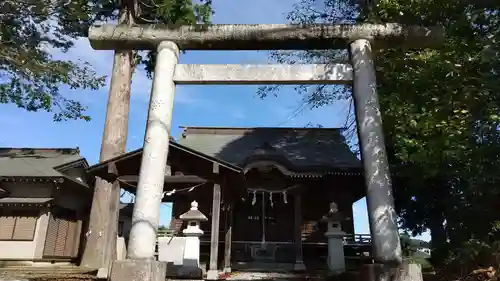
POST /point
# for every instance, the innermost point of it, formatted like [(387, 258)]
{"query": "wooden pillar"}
[(228, 239), (299, 261), (100, 244), (213, 272)]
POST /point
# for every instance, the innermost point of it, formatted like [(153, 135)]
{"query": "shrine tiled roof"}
[(36, 162), (302, 148)]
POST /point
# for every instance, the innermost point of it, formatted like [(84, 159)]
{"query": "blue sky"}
[(232, 106)]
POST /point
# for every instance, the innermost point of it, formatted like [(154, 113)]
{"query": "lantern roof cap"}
[(193, 214)]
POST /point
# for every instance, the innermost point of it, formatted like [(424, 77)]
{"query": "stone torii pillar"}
[(381, 213), (167, 40), (140, 263)]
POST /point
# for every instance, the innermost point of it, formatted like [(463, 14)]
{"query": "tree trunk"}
[(438, 233), (100, 248), (437, 228)]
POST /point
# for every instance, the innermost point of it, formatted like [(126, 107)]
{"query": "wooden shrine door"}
[(247, 226), (257, 219), (278, 217)]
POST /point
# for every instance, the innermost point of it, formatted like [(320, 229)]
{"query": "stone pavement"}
[(11, 275), (274, 276), (261, 276), (23, 275)]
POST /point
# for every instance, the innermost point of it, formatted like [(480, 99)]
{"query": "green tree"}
[(31, 30), (29, 76), (440, 112), (406, 245)]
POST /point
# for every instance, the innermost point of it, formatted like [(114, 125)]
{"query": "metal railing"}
[(358, 239), (165, 232), (349, 240)]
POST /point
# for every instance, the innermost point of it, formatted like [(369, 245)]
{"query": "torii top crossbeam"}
[(262, 36)]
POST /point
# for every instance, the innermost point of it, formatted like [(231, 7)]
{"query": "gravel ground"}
[(274, 276), (243, 276), (260, 276), (22, 276)]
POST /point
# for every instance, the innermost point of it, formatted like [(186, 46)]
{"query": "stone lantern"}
[(193, 217), (182, 253), (192, 233), (335, 235)]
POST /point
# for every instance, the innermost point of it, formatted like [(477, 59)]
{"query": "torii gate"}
[(359, 39)]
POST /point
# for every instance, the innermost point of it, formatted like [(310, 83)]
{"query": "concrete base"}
[(185, 272), (381, 272), (103, 273), (375, 272), (299, 266), (408, 272), (138, 270), (227, 270), (212, 274)]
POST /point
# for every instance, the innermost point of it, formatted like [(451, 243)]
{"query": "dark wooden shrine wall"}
[(316, 199)]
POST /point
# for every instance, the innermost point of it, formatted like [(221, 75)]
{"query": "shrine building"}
[(264, 191)]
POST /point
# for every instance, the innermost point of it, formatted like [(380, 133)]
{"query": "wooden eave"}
[(168, 179), (76, 182), (337, 172), (318, 172), (129, 182), (80, 162), (26, 179), (293, 171), (33, 180), (25, 202), (194, 165)]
